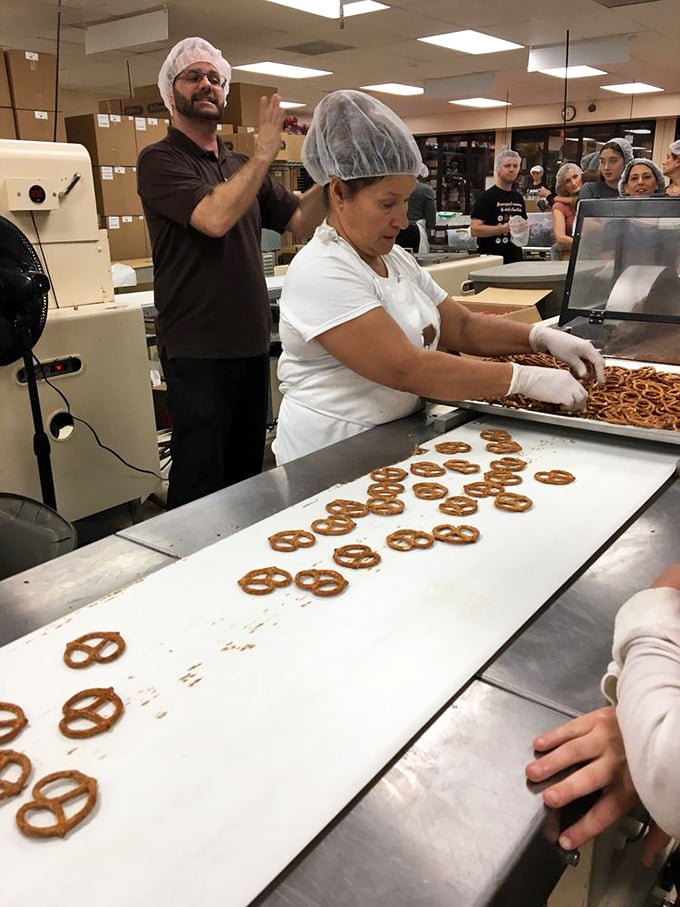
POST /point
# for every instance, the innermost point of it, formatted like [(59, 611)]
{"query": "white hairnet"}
[(183, 54), (506, 155), (656, 170), (353, 135), (674, 147)]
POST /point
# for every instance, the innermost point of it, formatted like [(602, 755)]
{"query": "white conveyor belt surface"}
[(251, 721)]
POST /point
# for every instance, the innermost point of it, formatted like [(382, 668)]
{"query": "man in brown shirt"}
[(205, 208)]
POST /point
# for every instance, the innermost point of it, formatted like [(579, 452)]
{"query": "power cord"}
[(47, 267)]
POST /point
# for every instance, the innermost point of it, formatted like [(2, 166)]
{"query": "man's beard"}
[(189, 107)]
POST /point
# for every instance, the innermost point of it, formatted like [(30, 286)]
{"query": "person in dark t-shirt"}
[(493, 209), (205, 208)]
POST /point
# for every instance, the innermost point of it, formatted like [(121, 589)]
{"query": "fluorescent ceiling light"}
[(639, 131), (394, 88), (570, 139), (573, 72), (330, 9), (481, 102), (632, 88), (639, 147), (290, 105), (471, 42), (284, 70)]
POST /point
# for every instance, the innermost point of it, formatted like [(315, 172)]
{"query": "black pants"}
[(218, 409), (409, 238)]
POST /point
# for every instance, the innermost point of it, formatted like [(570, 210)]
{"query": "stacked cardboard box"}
[(27, 86)]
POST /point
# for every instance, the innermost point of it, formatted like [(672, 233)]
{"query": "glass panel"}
[(459, 165)]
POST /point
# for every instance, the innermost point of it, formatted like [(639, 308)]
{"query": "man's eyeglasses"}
[(194, 76)]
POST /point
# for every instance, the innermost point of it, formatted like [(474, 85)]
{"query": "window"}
[(459, 165)]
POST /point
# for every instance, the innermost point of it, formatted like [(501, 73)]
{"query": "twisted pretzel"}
[(15, 725), (554, 477), (385, 489), (495, 434), (12, 788), (63, 824), (388, 474), (320, 582), (455, 535), (513, 464), (356, 557), (291, 540), (453, 447), (264, 580), (338, 524), (458, 506), (463, 466), (72, 712), (386, 506), (353, 509), (94, 652), (503, 447), (407, 539), (427, 470), (430, 491), (501, 477), (482, 489), (516, 503)]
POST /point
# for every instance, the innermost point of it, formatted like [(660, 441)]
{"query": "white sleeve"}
[(647, 653)]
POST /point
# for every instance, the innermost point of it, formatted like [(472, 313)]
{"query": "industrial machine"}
[(91, 362)]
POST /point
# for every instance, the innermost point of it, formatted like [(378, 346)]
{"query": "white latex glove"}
[(577, 353), (551, 385)]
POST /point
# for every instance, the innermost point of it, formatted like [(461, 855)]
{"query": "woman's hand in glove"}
[(551, 385), (577, 353)]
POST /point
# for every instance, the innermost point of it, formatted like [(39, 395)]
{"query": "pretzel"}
[(407, 539), (418, 451), (12, 788), (455, 535), (554, 477), (63, 824), (386, 506), (427, 470), (516, 503), (385, 489), (463, 466), (430, 491), (320, 582), (495, 434), (388, 474), (352, 509), (356, 557), (291, 540), (453, 447), (458, 506), (94, 652), (338, 524), (91, 712), (264, 580), (498, 477), (513, 464), (503, 447), (482, 489), (15, 725)]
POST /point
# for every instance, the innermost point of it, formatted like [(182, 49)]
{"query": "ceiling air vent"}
[(314, 48)]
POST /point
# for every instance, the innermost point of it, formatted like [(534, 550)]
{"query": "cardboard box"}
[(281, 175), (114, 105), (292, 147), (5, 96), (126, 236), (225, 129), (242, 129), (7, 127), (243, 103), (38, 125), (148, 131), (32, 79), (146, 101), (517, 305), (109, 138), (115, 189)]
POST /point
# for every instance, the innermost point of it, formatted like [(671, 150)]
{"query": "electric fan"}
[(23, 313)]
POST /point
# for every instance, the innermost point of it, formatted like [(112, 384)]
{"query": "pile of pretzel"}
[(644, 397)]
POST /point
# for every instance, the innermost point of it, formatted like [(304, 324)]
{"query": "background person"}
[(641, 178), (422, 218), (362, 324), (671, 168), (568, 185), (205, 209), (613, 157), (493, 209)]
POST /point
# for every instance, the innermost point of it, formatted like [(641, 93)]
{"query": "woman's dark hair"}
[(353, 186)]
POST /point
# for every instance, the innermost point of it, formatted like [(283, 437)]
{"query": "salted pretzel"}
[(482, 489), (353, 509), (320, 582), (495, 434), (386, 506), (503, 447), (385, 489), (516, 503), (264, 580), (464, 466), (12, 788), (388, 474), (458, 506), (356, 557), (337, 524), (430, 491), (453, 447), (13, 725), (91, 711), (554, 477), (291, 540), (512, 464), (455, 535), (502, 477), (407, 539), (97, 652), (427, 470), (63, 824)]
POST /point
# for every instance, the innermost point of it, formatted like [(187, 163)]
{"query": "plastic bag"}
[(519, 230)]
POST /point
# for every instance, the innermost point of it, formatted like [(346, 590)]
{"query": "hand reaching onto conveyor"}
[(551, 385), (580, 355)]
